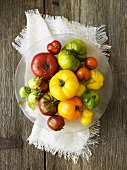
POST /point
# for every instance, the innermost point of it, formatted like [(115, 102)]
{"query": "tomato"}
[(91, 99), (96, 80), (24, 91), (44, 65), (68, 61), (85, 121), (91, 63), (83, 73), (81, 90), (63, 85), (70, 109), (56, 122), (87, 113), (87, 116), (54, 47), (34, 82), (48, 105), (78, 48), (44, 86)]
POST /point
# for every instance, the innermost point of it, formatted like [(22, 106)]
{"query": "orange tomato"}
[(71, 109), (83, 73)]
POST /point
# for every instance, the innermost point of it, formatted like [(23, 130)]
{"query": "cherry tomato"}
[(44, 65), (54, 47), (56, 122), (83, 73), (44, 86), (91, 63)]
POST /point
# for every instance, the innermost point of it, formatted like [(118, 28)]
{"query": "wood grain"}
[(111, 153), (13, 123)]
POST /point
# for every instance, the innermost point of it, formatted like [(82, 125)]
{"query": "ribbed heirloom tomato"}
[(63, 85), (70, 109), (44, 65)]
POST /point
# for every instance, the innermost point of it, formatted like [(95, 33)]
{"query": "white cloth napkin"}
[(70, 145)]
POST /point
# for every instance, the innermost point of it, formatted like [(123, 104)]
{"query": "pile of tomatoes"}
[(60, 84)]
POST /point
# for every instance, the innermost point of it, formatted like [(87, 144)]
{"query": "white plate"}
[(24, 73)]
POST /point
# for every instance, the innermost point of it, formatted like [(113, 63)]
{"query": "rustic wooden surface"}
[(111, 153)]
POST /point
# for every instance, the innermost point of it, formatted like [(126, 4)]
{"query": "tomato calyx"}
[(55, 46), (78, 108), (55, 102), (61, 83), (45, 66), (94, 96), (60, 127)]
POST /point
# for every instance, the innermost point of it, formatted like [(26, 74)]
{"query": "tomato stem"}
[(45, 66)]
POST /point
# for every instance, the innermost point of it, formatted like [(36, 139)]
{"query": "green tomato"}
[(34, 82), (68, 61), (78, 48), (91, 99), (34, 96), (24, 91)]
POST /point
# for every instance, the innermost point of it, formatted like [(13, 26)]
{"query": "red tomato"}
[(44, 86), (91, 63), (54, 47), (83, 73), (56, 122), (44, 65)]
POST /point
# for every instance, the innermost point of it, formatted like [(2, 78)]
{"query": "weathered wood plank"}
[(13, 123)]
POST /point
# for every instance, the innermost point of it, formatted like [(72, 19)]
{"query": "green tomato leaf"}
[(31, 105)]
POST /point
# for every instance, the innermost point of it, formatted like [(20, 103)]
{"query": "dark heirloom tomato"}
[(56, 122), (54, 47), (44, 65), (48, 104)]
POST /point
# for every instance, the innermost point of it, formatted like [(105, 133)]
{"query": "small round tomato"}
[(56, 122), (85, 121), (83, 73), (44, 86), (91, 63), (54, 47), (44, 65)]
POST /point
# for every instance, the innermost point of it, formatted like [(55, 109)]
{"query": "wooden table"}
[(111, 153)]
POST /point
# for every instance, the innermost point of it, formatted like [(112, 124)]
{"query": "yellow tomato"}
[(63, 85), (86, 117), (81, 90), (97, 80), (87, 113), (85, 121)]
